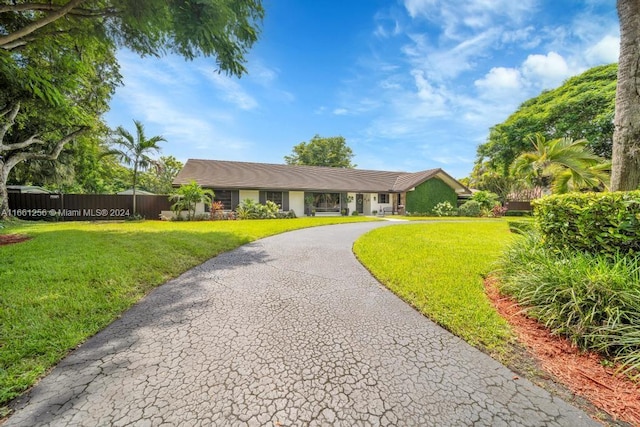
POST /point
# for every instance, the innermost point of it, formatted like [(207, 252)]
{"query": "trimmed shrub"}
[(470, 208), (606, 223), (517, 213)]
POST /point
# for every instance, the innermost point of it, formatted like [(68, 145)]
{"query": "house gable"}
[(428, 194)]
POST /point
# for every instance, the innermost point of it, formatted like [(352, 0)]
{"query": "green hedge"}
[(592, 222), (428, 194)]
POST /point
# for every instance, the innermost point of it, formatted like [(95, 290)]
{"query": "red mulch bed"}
[(581, 372), (9, 239)]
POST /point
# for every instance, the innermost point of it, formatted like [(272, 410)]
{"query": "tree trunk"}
[(4, 194), (135, 179), (625, 173)]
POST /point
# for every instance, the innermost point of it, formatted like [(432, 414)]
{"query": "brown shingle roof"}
[(262, 176)]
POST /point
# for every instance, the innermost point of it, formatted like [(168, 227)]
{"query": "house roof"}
[(263, 176), (29, 189)]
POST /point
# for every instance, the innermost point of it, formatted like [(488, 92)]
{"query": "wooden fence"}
[(85, 207)]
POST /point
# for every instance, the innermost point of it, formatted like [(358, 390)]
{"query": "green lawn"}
[(72, 279), (438, 268)]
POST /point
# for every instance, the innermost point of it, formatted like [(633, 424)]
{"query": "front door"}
[(359, 203)]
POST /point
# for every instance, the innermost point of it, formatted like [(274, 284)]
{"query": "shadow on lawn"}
[(169, 305)]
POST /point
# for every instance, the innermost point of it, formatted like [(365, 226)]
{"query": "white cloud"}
[(340, 111), (500, 82), (231, 90), (606, 50), (548, 71)]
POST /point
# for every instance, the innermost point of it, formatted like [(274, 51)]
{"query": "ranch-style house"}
[(325, 190)]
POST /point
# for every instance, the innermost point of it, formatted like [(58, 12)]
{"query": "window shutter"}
[(235, 199), (285, 201), (263, 197)]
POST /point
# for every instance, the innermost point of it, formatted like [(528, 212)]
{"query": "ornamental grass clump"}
[(593, 299)]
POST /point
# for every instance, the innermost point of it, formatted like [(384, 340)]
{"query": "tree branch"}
[(33, 139), (16, 158), (13, 112), (25, 31)]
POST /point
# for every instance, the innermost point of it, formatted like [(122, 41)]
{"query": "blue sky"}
[(410, 84)]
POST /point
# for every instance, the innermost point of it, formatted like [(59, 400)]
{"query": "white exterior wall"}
[(249, 194), (296, 202)]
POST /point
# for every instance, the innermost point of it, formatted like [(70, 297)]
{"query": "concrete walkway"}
[(289, 330)]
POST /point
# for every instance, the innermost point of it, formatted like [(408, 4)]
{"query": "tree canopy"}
[(224, 29), (58, 68), (582, 108), (320, 151)]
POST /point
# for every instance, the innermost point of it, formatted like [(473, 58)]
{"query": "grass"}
[(438, 268), (592, 299), (72, 279)]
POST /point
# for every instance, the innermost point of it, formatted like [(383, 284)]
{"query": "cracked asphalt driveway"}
[(288, 330)]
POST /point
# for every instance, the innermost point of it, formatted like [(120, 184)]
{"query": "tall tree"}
[(625, 174), (57, 93), (332, 152), (581, 108), (135, 151), (58, 67), (562, 164)]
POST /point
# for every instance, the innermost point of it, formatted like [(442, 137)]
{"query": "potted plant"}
[(313, 212)]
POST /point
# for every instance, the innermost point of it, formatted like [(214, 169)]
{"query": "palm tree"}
[(135, 151), (564, 164)]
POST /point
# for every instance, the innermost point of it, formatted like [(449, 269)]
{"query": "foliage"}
[(60, 298), (58, 68), (582, 108), (428, 194), (36, 124), (517, 213), (483, 178), (135, 151), (438, 269), (520, 227), (562, 164), (187, 196), (355, 213), (470, 208), (498, 210), (320, 151), (191, 28), (607, 223), (217, 210), (593, 299), (445, 209), (250, 209), (486, 199), (159, 180)]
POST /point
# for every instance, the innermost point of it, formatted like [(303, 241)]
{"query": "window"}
[(275, 197), (383, 197), (223, 196)]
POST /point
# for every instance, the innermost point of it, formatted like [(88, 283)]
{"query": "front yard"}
[(72, 279)]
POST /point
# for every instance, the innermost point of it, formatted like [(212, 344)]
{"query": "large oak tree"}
[(57, 61)]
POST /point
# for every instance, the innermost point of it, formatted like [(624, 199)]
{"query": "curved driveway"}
[(288, 330)]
